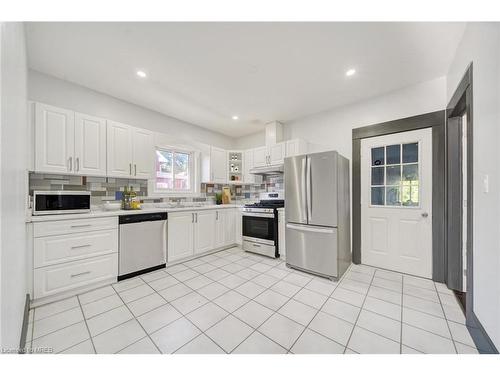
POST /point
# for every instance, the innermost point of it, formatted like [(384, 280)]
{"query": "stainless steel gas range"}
[(260, 224)]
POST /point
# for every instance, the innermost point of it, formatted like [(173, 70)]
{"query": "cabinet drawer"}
[(68, 247), (63, 277), (51, 228)]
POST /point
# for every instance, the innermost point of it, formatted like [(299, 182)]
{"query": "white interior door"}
[(396, 198)]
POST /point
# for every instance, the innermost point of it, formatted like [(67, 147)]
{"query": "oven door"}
[(259, 227)]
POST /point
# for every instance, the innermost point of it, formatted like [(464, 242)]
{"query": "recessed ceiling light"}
[(350, 72), (141, 74), (235, 117)]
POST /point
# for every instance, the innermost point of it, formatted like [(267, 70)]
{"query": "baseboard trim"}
[(24, 330), (479, 335)]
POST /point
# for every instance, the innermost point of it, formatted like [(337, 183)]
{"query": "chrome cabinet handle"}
[(77, 167), (216, 215), (130, 169), (192, 217), (196, 217), (81, 225), (135, 169), (70, 163), (80, 274), (80, 246)]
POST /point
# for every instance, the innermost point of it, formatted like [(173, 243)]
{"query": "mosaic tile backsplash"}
[(105, 188)]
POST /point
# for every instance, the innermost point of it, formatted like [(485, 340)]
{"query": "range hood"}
[(274, 134), (268, 170)]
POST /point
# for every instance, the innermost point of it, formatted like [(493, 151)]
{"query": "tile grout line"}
[(86, 325), (360, 310), (401, 326), (447, 323)]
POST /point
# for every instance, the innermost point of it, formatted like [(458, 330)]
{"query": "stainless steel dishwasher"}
[(143, 243)]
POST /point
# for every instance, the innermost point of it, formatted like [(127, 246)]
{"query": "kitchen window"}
[(174, 171), (395, 175)]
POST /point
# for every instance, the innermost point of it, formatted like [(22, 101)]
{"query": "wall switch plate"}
[(486, 183)]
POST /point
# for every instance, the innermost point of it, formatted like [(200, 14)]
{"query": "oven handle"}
[(254, 214)]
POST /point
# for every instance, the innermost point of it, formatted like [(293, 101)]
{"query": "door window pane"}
[(378, 196), (393, 175), (410, 193), (410, 153), (410, 172), (392, 196), (378, 176), (393, 153), (378, 156)]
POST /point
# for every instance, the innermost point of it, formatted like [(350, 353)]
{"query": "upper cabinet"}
[(69, 142), (269, 155), (296, 147), (54, 139), (248, 163), (129, 151), (90, 145), (218, 165), (260, 156)]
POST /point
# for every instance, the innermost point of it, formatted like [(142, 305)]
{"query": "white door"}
[(396, 197), (143, 153), (180, 235), (260, 156), (204, 231), (54, 139), (119, 150), (218, 163), (277, 153), (90, 145)]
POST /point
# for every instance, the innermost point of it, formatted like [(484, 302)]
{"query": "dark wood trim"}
[(436, 120), (401, 125), (24, 329)]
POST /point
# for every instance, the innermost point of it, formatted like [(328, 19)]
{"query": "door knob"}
[(425, 214)]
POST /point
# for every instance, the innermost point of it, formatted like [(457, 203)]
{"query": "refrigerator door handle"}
[(309, 192), (303, 188), (308, 228)]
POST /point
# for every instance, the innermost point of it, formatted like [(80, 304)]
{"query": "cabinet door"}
[(277, 153), (119, 150), (218, 163), (204, 231), (180, 235), (247, 165), (90, 145), (143, 154), (239, 226), (219, 228), (229, 227), (54, 139), (296, 147), (260, 156)]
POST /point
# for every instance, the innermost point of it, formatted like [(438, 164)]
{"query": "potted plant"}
[(218, 198)]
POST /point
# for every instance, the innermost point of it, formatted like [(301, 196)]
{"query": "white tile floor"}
[(237, 302)]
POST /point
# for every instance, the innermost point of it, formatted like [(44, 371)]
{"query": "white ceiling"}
[(204, 73)]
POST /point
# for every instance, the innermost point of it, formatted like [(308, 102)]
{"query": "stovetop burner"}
[(267, 204)]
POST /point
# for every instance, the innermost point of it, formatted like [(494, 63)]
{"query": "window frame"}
[(193, 166)]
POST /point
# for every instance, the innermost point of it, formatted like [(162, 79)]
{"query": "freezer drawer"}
[(312, 248)]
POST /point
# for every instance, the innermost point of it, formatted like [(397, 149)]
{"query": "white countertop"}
[(102, 213)]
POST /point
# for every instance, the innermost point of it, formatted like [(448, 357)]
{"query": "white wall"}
[(13, 161), (481, 45), (50, 90), (332, 129)]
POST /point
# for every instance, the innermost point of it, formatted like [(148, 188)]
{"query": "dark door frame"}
[(436, 121)]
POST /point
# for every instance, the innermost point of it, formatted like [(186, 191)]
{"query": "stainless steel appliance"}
[(143, 243), (260, 224), (60, 202), (317, 213)]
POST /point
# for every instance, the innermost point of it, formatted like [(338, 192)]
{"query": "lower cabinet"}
[(192, 233)]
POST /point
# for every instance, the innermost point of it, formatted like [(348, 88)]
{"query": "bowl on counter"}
[(112, 206)]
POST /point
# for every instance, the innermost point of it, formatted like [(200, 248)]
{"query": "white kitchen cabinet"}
[(219, 229), (218, 165), (260, 156), (90, 145), (239, 226), (247, 165), (54, 139), (129, 151), (180, 235), (229, 227), (142, 153), (119, 149), (204, 231), (296, 147), (277, 153)]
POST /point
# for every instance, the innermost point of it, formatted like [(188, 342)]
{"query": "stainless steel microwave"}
[(60, 202)]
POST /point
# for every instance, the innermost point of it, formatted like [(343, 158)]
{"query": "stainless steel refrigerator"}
[(317, 213)]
